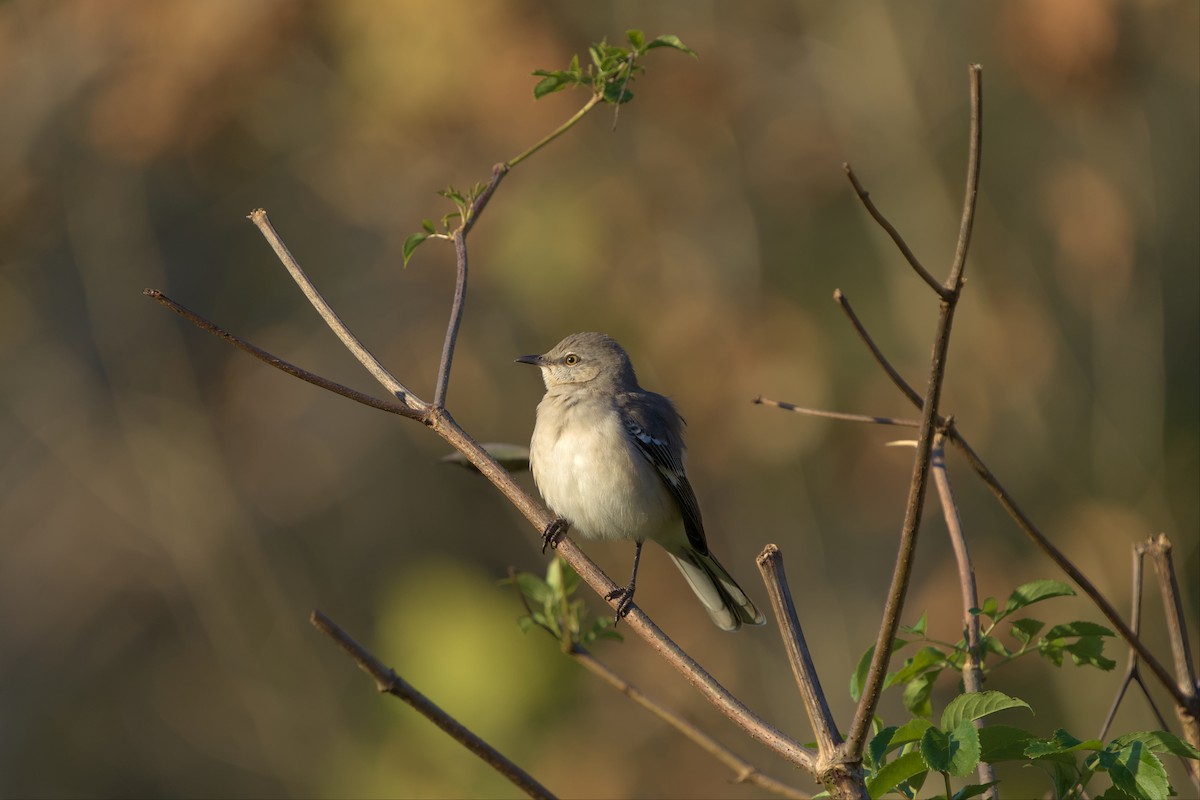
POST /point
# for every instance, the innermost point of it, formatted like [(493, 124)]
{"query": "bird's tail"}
[(719, 593)]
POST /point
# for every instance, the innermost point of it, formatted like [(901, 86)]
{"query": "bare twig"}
[(744, 771), (770, 565), (349, 340), (280, 364), (873, 685), (386, 680), (842, 775), (456, 311), (813, 412), (1188, 712), (908, 254), (559, 131), (972, 669)]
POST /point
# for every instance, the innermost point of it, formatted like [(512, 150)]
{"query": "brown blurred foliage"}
[(170, 510)]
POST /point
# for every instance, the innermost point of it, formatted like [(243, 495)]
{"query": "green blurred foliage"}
[(170, 510)]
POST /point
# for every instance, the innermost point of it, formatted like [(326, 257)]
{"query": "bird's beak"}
[(537, 361)]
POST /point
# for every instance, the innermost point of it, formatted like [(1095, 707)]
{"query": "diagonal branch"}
[(770, 564), (348, 339), (387, 681), (279, 363), (905, 250)]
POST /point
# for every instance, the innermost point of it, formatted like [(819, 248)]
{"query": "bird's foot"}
[(554, 533), (624, 597)]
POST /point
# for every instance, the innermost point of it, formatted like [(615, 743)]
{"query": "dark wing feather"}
[(657, 430)]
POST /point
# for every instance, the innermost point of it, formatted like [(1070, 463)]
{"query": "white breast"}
[(589, 472)]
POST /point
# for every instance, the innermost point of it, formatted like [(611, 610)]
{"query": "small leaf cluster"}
[(1082, 641), (611, 70), (463, 202), (553, 607), (955, 748)]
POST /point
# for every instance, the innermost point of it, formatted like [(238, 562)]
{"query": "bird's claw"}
[(624, 603), (554, 533)]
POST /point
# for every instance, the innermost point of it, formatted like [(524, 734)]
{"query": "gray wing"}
[(657, 430)]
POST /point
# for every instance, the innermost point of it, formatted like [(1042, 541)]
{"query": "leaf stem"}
[(557, 132)]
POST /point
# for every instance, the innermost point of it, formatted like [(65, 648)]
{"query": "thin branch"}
[(389, 682), (770, 565), (456, 312), (909, 392), (909, 256), (1188, 712), (559, 131), (280, 364), (1159, 549), (813, 412), (894, 606), (973, 668), (744, 771), (349, 340)]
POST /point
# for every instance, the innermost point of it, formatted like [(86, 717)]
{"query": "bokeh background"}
[(171, 510)]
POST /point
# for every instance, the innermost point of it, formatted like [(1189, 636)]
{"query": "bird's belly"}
[(604, 492)]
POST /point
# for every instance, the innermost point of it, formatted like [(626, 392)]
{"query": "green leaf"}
[(1025, 629), (636, 38), (1004, 743), (411, 243), (1159, 742), (955, 751), (990, 644), (1137, 771), (917, 693), (534, 588), (859, 678), (878, 746), (894, 773), (926, 659), (1088, 650), (973, 790), (1061, 742), (427, 224), (548, 85), (975, 705), (911, 731), (918, 629), (616, 93), (1080, 628), (670, 40), (990, 608), (1035, 592)]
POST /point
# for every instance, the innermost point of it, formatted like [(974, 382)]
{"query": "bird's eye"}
[(571, 360)]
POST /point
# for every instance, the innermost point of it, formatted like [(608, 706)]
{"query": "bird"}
[(608, 458)]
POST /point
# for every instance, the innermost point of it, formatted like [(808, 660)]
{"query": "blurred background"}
[(171, 510)]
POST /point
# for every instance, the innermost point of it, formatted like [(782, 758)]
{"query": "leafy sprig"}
[(608, 76), (551, 605)]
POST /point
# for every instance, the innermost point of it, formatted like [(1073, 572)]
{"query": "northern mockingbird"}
[(607, 456)]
